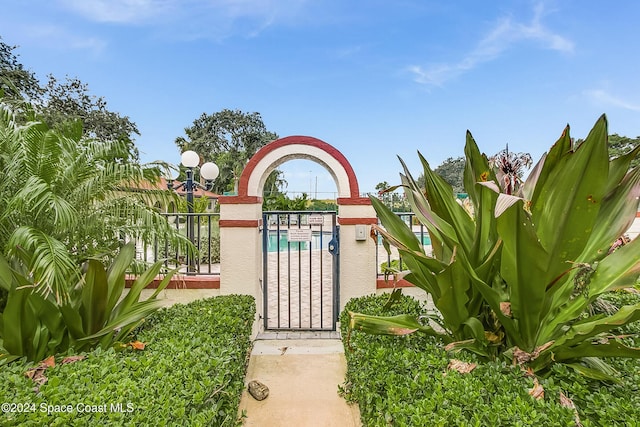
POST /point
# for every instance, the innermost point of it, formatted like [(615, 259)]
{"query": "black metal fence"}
[(200, 228), (206, 239)]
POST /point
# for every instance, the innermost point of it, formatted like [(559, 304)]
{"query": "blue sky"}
[(375, 79)]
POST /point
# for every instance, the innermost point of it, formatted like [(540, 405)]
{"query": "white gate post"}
[(357, 256), (241, 249)]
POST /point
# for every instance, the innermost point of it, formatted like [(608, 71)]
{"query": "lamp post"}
[(209, 171)]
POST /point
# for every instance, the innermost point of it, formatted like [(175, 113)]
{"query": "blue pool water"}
[(281, 240), (272, 244)]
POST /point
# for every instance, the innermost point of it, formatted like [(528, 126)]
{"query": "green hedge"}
[(191, 373), (403, 381)]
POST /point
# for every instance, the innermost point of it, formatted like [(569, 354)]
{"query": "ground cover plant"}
[(410, 380), (514, 275), (97, 310), (185, 367)]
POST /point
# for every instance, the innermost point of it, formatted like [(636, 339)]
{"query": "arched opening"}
[(253, 242)]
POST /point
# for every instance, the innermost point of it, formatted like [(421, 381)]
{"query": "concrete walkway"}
[(303, 376)]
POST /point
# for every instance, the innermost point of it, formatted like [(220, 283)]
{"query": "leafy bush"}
[(35, 326), (515, 277), (404, 381), (191, 372), (65, 196)]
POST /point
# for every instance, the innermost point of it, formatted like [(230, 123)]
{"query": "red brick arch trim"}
[(243, 190)]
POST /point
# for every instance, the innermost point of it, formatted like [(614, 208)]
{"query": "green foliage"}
[(281, 202), (34, 326), (64, 199), (61, 104), (229, 138), (452, 171), (191, 372), (621, 145), (404, 381), (515, 279), (322, 205), (392, 199), (16, 82)]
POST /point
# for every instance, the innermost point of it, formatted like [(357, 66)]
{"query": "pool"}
[(281, 240)]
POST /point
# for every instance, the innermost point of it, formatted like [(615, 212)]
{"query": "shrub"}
[(96, 312), (515, 277), (404, 381), (191, 372)]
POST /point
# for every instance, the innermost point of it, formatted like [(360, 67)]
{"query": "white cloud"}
[(603, 98), (56, 37), (192, 18), (118, 11), (505, 34)]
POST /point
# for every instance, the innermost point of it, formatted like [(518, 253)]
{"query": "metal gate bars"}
[(300, 270)]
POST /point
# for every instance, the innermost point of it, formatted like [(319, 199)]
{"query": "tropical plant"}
[(65, 198), (97, 313), (229, 138), (516, 277), (509, 168)]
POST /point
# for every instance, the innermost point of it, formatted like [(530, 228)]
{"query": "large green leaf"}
[(443, 203), (523, 268), (396, 227), (476, 169), (20, 323), (618, 270), (550, 162), (72, 320), (580, 332), (141, 282), (611, 348), (617, 213), (619, 167), (134, 314), (94, 296), (570, 199), (116, 274), (453, 302), (6, 275), (402, 324)]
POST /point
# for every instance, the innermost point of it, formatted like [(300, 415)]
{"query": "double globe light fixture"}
[(209, 171)]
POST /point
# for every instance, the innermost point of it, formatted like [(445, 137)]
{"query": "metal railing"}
[(207, 243), (206, 239), (393, 261)]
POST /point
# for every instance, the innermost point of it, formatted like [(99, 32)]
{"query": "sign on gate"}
[(299, 235), (315, 219)]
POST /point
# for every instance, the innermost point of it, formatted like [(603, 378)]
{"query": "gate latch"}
[(333, 247)]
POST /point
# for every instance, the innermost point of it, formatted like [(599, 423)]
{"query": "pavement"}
[(303, 376)]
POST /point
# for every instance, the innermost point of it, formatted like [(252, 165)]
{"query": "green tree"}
[(620, 145), (69, 101), (63, 199), (15, 81), (62, 104), (282, 202), (452, 170), (228, 138)]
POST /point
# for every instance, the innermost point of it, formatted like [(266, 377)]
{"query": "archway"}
[(241, 222)]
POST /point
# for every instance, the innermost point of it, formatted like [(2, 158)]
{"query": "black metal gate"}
[(300, 270)]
